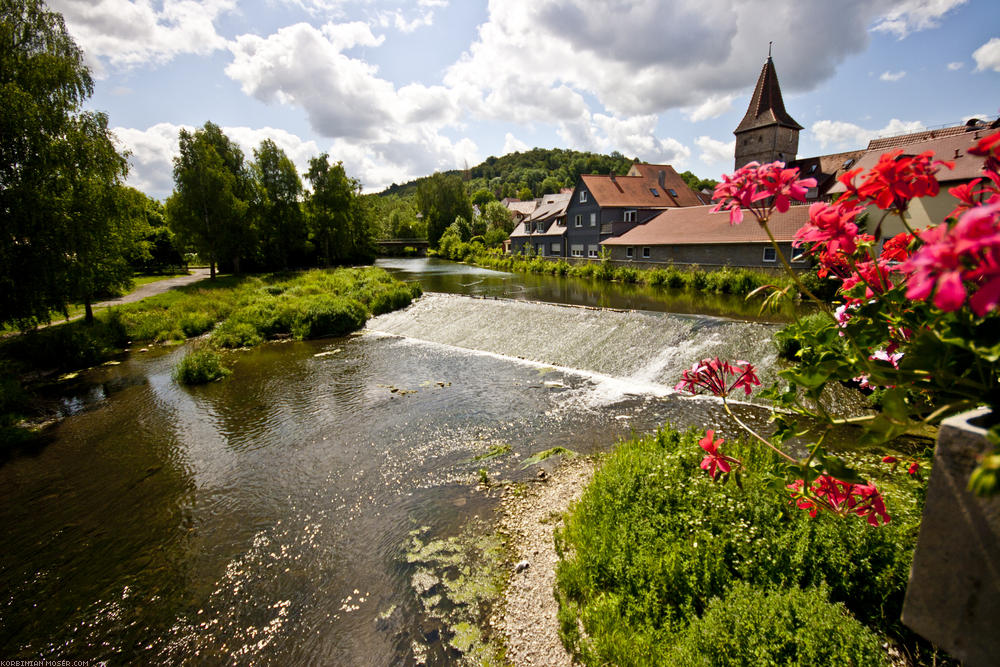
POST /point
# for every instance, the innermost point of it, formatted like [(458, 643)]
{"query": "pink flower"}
[(715, 461), (842, 498), (711, 375), (831, 229), (894, 181), (989, 147), (760, 189), (889, 459), (914, 468)]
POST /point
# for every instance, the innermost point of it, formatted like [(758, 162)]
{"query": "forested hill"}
[(540, 170)]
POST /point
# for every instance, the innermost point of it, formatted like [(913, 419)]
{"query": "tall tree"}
[(338, 219), (440, 199), (59, 171), (208, 208), (280, 222)]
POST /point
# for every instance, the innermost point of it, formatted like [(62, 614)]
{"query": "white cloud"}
[(712, 107), (892, 76), (847, 136), (126, 33), (714, 151), (987, 56), (636, 136), (397, 19), (955, 66), (913, 15), (512, 144)]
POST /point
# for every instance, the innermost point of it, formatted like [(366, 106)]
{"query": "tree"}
[(101, 236), (482, 197), (208, 207), (60, 235), (551, 185), (338, 220), (525, 194), (157, 248), (698, 184), (440, 199), (498, 216), (282, 232)]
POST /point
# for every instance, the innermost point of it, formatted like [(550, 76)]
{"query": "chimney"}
[(661, 178), (612, 175)]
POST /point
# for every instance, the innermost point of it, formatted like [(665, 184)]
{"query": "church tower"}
[(766, 133)]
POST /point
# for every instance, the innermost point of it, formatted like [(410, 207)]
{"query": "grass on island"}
[(238, 311), (659, 565)]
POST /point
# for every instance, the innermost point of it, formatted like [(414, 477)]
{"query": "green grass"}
[(200, 366), (239, 311), (654, 543)]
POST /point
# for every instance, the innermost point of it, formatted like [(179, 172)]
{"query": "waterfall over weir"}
[(642, 352)]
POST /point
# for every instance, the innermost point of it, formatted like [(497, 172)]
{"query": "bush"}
[(200, 366), (233, 334), (394, 299), (627, 274), (689, 539), (329, 316), (750, 626), (809, 327)]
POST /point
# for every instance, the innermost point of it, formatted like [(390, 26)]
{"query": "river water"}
[(264, 519)]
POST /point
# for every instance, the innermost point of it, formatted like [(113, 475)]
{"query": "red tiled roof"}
[(951, 148), (766, 106), (641, 188), (883, 143), (697, 225)]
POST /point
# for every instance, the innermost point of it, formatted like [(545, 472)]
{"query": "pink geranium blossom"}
[(894, 180), (760, 189), (842, 498), (715, 461), (712, 375)]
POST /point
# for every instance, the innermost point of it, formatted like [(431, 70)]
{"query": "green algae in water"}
[(457, 581)]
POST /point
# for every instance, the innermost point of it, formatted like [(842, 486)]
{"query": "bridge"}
[(396, 246)]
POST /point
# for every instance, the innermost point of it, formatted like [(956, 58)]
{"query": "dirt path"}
[(152, 289)]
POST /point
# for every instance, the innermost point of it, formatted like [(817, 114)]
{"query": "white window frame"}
[(630, 215), (578, 221), (798, 255), (576, 250), (593, 219), (593, 251), (645, 252), (629, 252), (772, 252), (556, 248), (583, 196)]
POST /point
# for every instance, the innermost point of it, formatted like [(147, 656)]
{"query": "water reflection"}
[(437, 275)]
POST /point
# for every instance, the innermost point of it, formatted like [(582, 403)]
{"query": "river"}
[(266, 519)]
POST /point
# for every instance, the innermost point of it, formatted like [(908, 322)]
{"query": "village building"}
[(603, 206), (544, 230)]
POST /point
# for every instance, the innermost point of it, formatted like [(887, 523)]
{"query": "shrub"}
[(234, 334), (627, 274), (809, 327), (329, 316), (200, 366), (750, 626), (389, 300)]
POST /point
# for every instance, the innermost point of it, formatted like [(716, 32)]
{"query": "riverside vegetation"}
[(238, 311), (661, 565)]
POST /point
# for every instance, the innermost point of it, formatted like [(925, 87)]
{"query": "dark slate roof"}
[(766, 106), (697, 225)]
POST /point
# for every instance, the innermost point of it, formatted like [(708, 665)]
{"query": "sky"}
[(400, 89)]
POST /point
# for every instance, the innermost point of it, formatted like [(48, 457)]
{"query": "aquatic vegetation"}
[(547, 454), (201, 366)]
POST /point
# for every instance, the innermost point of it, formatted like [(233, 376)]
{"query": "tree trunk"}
[(211, 269), (236, 265), (88, 312)]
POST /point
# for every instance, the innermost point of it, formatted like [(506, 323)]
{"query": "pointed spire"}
[(766, 106)]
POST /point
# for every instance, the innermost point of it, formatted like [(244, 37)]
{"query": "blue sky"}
[(399, 89)]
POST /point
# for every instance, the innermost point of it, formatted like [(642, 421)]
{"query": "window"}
[(592, 251), (630, 215), (655, 192), (593, 219), (798, 255), (583, 196), (539, 226), (540, 248), (673, 193), (629, 252), (770, 255), (576, 250), (645, 253), (556, 248), (579, 220)]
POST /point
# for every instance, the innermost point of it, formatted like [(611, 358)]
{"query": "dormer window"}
[(583, 196)]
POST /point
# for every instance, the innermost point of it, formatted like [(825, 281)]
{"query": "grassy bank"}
[(239, 311), (659, 565), (727, 280)]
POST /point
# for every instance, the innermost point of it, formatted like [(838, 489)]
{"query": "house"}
[(519, 210), (544, 230), (602, 206), (696, 235)]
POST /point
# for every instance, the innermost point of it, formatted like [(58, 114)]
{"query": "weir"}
[(646, 350)]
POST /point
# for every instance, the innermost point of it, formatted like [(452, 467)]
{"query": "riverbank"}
[(527, 615)]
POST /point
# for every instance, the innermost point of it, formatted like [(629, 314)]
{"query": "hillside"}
[(541, 170)]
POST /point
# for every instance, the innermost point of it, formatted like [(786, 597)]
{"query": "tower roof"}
[(766, 107)]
